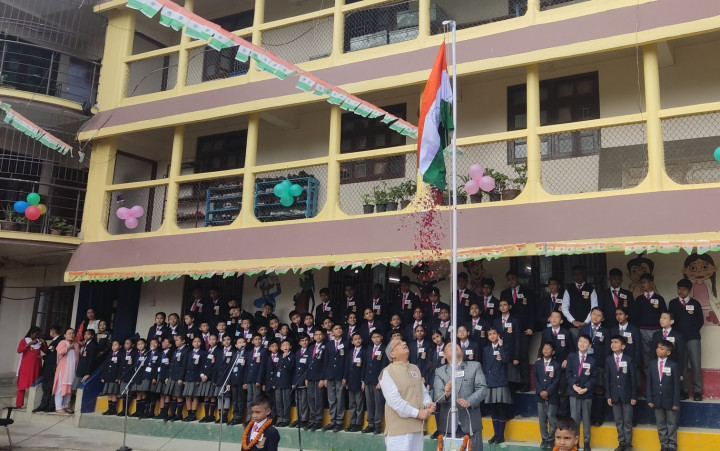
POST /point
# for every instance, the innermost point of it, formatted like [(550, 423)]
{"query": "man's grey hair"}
[(391, 346)]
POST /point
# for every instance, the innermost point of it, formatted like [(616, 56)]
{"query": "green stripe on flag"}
[(336, 98), (220, 42), (198, 31), (305, 83), (436, 172), (321, 90), (388, 118), (243, 54)]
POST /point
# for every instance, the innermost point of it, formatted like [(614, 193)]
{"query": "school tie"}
[(579, 286), (555, 333), (665, 334), (514, 291), (336, 345), (582, 362), (615, 297), (487, 300), (552, 306), (684, 302), (474, 323), (647, 296), (617, 362), (256, 427), (207, 341), (375, 348), (661, 370)]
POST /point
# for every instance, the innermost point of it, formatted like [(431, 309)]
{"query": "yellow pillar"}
[(102, 169), (534, 145), (258, 19), (332, 203), (656, 153), (119, 35), (533, 7), (247, 212), (423, 19), (170, 224), (183, 56), (338, 29)]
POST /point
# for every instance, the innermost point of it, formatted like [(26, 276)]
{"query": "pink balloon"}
[(32, 212), (487, 183), (476, 172), (123, 213), (131, 222), (472, 186), (137, 211)]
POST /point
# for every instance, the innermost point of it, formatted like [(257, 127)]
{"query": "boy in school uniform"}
[(88, 359), (689, 320), (418, 320), (309, 323), (380, 305), (260, 435), (599, 349), (375, 361), (579, 299), (237, 381), (302, 361), (581, 376), (670, 333), (648, 308), (371, 323), (611, 298), (333, 375), (313, 380), (477, 326), (296, 325), (443, 323), (205, 334), (466, 297), (255, 367), (663, 394), (562, 347), (351, 326), (566, 435), (174, 327), (353, 381), (350, 304), (524, 309), (433, 308), (546, 375), (488, 302), (272, 376), (326, 308), (283, 390), (630, 333), (621, 390), (405, 302), (395, 326), (551, 302)]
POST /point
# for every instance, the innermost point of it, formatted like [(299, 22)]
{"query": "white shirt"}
[(393, 399), (253, 433), (566, 306)]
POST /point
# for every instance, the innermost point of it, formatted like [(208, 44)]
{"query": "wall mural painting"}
[(636, 268), (266, 283), (304, 299), (701, 270)]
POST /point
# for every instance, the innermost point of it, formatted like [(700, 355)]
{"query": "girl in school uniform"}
[(174, 382), (508, 327), (438, 340), (494, 363), (104, 341), (30, 347), (111, 377), (148, 374), (140, 385), (160, 374), (192, 378), (223, 366), (207, 378), (470, 349), (128, 358)]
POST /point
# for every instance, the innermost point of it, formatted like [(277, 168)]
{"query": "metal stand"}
[(223, 390), (124, 447)]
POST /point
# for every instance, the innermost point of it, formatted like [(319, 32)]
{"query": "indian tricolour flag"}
[(147, 7), (199, 28), (435, 123), (174, 16)]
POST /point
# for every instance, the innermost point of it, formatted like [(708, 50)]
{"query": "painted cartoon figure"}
[(266, 283), (304, 299), (701, 270), (636, 268), (476, 273)]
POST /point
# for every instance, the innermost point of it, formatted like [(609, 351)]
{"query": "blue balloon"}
[(717, 154), (20, 206)]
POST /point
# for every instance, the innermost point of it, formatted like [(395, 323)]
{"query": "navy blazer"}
[(285, 367), (254, 369), (163, 364), (405, 310), (334, 361), (423, 360), (365, 330), (237, 373), (524, 308), (354, 367), (547, 381), (316, 363), (178, 362), (195, 360), (606, 302), (633, 340), (223, 364), (127, 366), (492, 311), (600, 346), (374, 364), (688, 321), (665, 393), (587, 377), (464, 301), (494, 365), (478, 332), (148, 361), (332, 311), (620, 382), (409, 330), (302, 360), (210, 362), (545, 307), (153, 332), (111, 373), (272, 372), (563, 342), (432, 312), (471, 351), (678, 341), (510, 335)]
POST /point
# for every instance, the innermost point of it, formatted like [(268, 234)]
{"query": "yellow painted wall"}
[(300, 136), (693, 76)]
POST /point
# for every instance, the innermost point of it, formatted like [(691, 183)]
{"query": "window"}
[(228, 288), (535, 271), (361, 133), (53, 305), (223, 64), (562, 100), (221, 152)]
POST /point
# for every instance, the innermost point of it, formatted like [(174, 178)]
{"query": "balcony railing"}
[(64, 206), (36, 69)]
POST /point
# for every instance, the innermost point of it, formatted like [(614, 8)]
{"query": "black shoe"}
[(368, 429), (587, 447), (329, 427), (308, 426), (378, 431), (435, 434), (108, 412), (121, 413), (135, 414), (698, 398), (620, 448), (492, 440), (684, 396), (190, 417), (294, 424), (500, 440), (337, 428), (315, 426), (39, 409), (177, 417)]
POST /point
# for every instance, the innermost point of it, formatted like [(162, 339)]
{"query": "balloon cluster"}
[(31, 207), (478, 181), (130, 215), (287, 191), (717, 154)]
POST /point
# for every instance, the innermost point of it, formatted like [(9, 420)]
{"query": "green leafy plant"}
[(502, 181), (396, 193), (409, 188), (57, 223), (367, 199), (520, 180), (9, 214), (380, 194)]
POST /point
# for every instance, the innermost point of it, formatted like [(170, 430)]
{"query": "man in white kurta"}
[(407, 401)]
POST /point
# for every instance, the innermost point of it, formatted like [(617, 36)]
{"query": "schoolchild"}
[(302, 360), (621, 390), (547, 375), (314, 378), (190, 329), (111, 377), (160, 374), (237, 382), (160, 329), (508, 328), (174, 327), (207, 378), (256, 358), (374, 362), (663, 394), (127, 369), (192, 380), (260, 434), (496, 358), (141, 385), (421, 354), (353, 381), (173, 385), (333, 375), (581, 375), (689, 320), (470, 349), (283, 386), (223, 368), (477, 327)]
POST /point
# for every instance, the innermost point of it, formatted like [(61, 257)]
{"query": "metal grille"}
[(550, 4), (493, 157), (154, 74), (151, 199), (597, 159), (207, 64), (689, 145), (209, 202), (313, 180), (383, 24), (471, 13), (303, 41), (378, 184)]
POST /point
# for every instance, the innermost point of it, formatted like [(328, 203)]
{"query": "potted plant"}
[(381, 198), (367, 200), (9, 221), (515, 184), (409, 188), (57, 225), (69, 230), (395, 195), (474, 198), (461, 196), (501, 181)]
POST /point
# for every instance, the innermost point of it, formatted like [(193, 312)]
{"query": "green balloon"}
[(33, 198), (295, 189), (287, 201)]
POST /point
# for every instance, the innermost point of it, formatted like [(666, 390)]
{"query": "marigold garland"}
[(245, 445), (466, 444)]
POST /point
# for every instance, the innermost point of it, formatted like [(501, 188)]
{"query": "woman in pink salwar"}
[(68, 352)]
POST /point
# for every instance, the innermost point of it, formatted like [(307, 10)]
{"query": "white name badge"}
[(591, 351), (558, 300), (371, 329), (460, 374), (165, 360), (341, 346), (667, 371), (128, 359), (586, 293), (507, 325), (436, 310), (300, 329), (229, 323), (407, 301), (654, 301), (277, 374), (357, 360), (148, 369), (690, 308), (327, 308), (623, 296), (586, 365), (520, 296), (548, 325), (217, 308), (496, 352), (561, 336), (469, 352), (158, 332), (465, 296), (228, 354), (491, 304), (275, 360), (671, 339), (421, 350), (599, 334), (278, 335), (627, 335), (303, 360), (478, 327), (377, 353), (114, 359), (623, 364), (413, 373)]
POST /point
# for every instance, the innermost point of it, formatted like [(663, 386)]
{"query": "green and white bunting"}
[(147, 7), (243, 53), (171, 16), (305, 83), (24, 125), (321, 90), (388, 118), (198, 28), (221, 40), (363, 110), (350, 104), (336, 98)]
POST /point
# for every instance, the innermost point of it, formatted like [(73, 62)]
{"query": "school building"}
[(598, 119)]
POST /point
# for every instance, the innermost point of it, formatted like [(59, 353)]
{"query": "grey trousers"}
[(282, 404), (356, 401), (336, 401), (301, 403), (547, 417), (647, 352), (580, 412), (252, 392), (693, 364), (667, 428), (315, 401), (623, 414), (375, 402)]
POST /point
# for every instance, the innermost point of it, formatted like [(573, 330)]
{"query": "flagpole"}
[(454, 363)]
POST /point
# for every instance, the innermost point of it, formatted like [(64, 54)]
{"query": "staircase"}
[(8, 390)]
